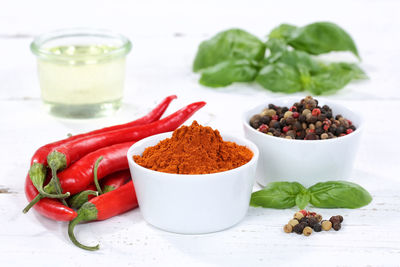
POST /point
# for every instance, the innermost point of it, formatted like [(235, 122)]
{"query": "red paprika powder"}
[(194, 149)]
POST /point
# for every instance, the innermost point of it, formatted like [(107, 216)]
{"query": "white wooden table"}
[(165, 35)]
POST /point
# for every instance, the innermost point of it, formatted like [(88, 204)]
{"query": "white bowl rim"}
[(247, 143), (320, 99)]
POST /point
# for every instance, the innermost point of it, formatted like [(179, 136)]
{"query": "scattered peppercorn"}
[(298, 216), (305, 222), (312, 221), (304, 212), (307, 231), (337, 226), (311, 213), (293, 222), (288, 228), (317, 227), (298, 228), (326, 225), (336, 219), (305, 120)]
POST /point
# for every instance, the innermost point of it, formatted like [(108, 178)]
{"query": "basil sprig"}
[(233, 44), (321, 37), (288, 66), (332, 194)]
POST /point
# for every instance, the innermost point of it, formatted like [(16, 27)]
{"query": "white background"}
[(165, 36)]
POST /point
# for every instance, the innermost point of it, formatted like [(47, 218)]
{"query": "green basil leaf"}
[(226, 45), (302, 199), (300, 59), (228, 72), (322, 37), (277, 195), (280, 77), (338, 194), (276, 45), (283, 31), (334, 77), (275, 49)]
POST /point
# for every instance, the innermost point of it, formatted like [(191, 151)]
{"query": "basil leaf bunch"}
[(332, 194), (286, 62), (233, 44)]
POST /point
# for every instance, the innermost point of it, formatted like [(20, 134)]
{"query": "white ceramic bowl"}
[(304, 161), (193, 204)]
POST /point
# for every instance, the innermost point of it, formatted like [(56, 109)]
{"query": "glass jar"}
[(81, 71)]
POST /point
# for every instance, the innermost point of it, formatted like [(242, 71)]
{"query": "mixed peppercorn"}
[(305, 222), (305, 120)]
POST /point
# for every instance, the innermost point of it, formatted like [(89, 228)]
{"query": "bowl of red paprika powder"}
[(194, 180)]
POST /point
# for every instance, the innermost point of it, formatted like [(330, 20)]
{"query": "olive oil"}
[(82, 81)]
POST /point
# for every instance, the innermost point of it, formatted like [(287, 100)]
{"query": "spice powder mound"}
[(194, 149)]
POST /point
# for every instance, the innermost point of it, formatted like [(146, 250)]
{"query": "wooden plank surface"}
[(165, 35)]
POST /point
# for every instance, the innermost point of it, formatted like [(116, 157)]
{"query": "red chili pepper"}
[(111, 182), (103, 207), (115, 180), (50, 208), (40, 158), (173, 120), (152, 116), (65, 154), (77, 200), (40, 155), (79, 175)]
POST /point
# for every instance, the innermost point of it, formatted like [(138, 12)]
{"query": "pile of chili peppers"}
[(72, 192)]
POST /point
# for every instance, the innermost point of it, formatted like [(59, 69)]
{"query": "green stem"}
[(57, 161), (58, 185), (32, 203), (87, 212), (96, 180), (41, 196), (108, 188), (81, 198), (45, 194), (37, 174)]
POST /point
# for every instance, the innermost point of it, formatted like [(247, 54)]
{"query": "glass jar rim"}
[(38, 43)]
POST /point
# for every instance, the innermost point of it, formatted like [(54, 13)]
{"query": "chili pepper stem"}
[(39, 197), (57, 161), (43, 194), (57, 184), (108, 188), (81, 198), (37, 174), (96, 180), (32, 203), (87, 212)]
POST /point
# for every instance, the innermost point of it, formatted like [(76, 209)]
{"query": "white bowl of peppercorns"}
[(305, 140)]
